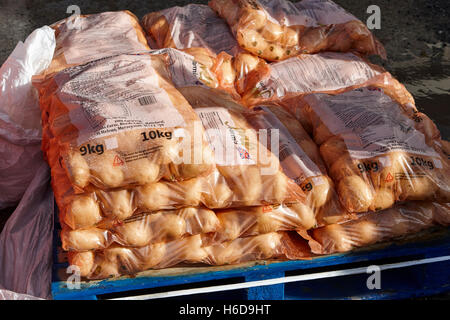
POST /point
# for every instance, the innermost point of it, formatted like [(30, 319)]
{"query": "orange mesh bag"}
[(191, 26), (376, 153), (278, 29), (117, 260), (399, 221), (118, 122), (80, 39), (328, 72)]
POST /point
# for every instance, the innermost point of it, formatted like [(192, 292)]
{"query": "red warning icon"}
[(117, 161), (389, 178)]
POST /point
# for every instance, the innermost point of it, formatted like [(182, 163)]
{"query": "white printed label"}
[(97, 36), (224, 137), (198, 26), (116, 94), (319, 72), (295, 162), (310, 13), (370, 123), (185, 71)]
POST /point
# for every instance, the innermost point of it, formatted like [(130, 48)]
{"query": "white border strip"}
[(268, 282)]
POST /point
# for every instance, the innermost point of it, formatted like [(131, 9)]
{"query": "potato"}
[(244, 63), (106, 171), (137, 233), (271, 31), (363, 232), (279, 183), (383, 198), (83, 211), (79, 169), (219, 196), (226, 253), (142, 171), (267, 223), (267, 244), (155, 254), (333, 149), (231, 224), (417, 188), (193, 189), (289, 37), (83, 260), (106, 269), (333, 238), (153, 196), (252, 41), (227, 72), (321, 133), (168, 226), (274, 52), (307, 219), (124, 258), (249, 187), (193, 250), (118, 203), (84, 239), (208, 221), (355, 194), (253, 19), (345, 166), (193, 170), (321, 191)]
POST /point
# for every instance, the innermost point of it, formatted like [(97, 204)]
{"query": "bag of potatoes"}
[(279, 29), (399, 221), (301, 161), (377, 153), (198, 31), (84, 38), (252, 221), (117, 260), (200, 67), (327, 72), (141, 230), (191, 26), (118, 122), (248, 168)]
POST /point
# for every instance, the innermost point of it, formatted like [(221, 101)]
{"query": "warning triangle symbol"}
[(117, 161), (389, 177)]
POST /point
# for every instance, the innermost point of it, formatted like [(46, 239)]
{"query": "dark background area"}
[(415, 33)]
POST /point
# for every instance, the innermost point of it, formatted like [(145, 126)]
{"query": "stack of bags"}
[(205, 151)]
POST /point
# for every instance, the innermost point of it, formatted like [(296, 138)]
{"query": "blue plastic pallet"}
[(423, 279)]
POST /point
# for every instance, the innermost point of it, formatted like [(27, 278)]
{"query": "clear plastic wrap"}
[(279, 29), (301, 162), (250, 170), (252, 221), (191, 26), (327, 72), (142, 230), (401, 220), (118, 122), (84, 38), (118, 260), (377, 153), (199, 66)]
